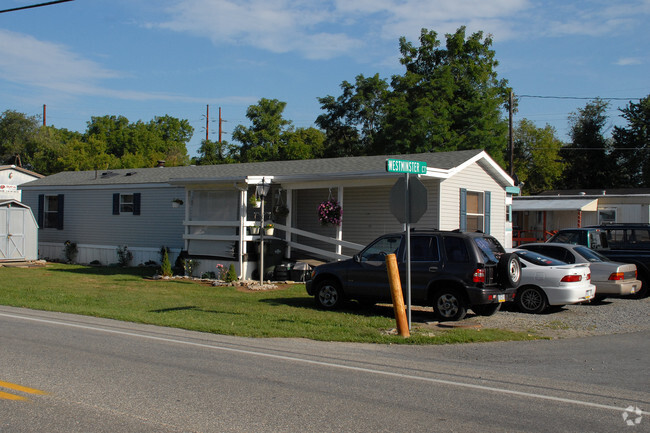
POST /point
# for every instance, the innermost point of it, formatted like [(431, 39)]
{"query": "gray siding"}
[(89, 219)]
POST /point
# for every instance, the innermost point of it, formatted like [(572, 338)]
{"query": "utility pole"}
[(44, 112), (207, 122), (220, 124), (510, 136)]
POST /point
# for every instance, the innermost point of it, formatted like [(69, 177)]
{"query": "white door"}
[(12, 233)]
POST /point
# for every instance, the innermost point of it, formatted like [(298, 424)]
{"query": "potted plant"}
[(281, 211), (254, 201), (330, 212), (254, 230), (268, 229)]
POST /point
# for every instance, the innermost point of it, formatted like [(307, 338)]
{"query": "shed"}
[(18, 232)]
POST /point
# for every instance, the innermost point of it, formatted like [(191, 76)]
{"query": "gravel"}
[(611, 316)]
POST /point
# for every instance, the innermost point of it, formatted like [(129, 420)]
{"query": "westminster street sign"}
[(406, 166)]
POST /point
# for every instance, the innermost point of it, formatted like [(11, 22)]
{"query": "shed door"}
[(12, 233)]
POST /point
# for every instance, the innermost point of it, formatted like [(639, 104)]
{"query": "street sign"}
[(406, 166), (417, 200)]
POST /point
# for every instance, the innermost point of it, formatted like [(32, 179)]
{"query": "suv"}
[(450, 270), (624, 243)]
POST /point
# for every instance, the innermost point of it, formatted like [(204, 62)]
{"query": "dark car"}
[(450, 270)]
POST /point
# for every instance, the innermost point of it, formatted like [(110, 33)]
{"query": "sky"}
[(146, 58)]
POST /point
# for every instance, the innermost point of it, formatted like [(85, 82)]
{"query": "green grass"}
[(128, 294)]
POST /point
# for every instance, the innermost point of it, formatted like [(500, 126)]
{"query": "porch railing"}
[(520, 237)]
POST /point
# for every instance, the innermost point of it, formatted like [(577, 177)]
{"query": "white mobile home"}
[(204, 211)]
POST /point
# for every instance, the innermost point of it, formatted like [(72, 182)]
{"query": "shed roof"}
[(554, 204), (20, 169), (439, 164)]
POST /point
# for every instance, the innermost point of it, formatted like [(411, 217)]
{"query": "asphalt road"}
[(105, 376)]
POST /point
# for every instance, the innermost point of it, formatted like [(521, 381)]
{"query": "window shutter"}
[(59, 216), (41, 209), (487, 212), (116, 204), (463, 209), (136, 203)]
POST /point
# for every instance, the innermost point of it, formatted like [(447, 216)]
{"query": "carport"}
[(18, 232)]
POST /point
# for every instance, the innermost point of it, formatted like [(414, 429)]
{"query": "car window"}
[(424, 249), (558, 253), (377, 251), (591, 255), (566, 237), (538, 259), (490, 247), (456, 250)]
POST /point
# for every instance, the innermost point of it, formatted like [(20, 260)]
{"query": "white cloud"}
[(629, 61)]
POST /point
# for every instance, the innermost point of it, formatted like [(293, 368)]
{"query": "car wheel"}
[(329, 294), (509, 269), (531, 300), (448, 305), (486, 309), (645, 290)]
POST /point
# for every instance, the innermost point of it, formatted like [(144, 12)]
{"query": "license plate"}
[(589, 295), (501, 298)]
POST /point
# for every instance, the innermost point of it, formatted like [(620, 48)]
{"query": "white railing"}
[(289, 230)]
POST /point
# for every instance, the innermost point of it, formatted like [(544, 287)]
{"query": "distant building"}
[(10, 179)]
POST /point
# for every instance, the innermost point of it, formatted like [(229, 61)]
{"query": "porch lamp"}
[(262, 190)]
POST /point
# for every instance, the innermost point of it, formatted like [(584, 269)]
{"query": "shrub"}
[(231, 275), (166, 266), (124, 256), (70, 251)]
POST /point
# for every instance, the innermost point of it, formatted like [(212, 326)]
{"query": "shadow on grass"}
[(144, 272), (194, 308)]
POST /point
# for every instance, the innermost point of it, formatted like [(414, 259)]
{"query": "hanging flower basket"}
[(330, 212)]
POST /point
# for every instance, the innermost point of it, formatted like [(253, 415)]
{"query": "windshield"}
[(537, 258), (591, 255)]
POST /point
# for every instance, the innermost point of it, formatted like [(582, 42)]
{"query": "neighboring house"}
[(11, 177), (537, 217), (204, 210)]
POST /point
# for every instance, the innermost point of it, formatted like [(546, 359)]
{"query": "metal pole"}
[(407, 212), (262, 238)]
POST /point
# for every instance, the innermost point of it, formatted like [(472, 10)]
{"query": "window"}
[(50, 211), (424, 249), (475, 211), (606, 216), (126, 203), (377, 252), (456, 250)]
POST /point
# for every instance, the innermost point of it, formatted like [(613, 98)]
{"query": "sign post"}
[(403, 192)]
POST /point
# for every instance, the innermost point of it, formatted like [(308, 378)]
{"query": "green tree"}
[(303, 143), (16, 132), (213, 152), (632, 146), (261, 142), (352, 121), (588, 163), (536, 156), (448, 99)]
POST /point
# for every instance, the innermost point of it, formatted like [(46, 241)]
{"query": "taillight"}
[(479, 276), (616, 276), (572, 278)]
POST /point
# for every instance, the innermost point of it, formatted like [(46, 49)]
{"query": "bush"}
[(70, 251), (231, 275), (124, 256), (166, 266)]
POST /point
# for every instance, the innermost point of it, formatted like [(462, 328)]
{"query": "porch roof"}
[(554, 204)]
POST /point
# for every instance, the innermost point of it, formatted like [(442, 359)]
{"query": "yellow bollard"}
[(396, 294)]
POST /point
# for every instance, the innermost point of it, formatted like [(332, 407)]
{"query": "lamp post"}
[(261, 191)]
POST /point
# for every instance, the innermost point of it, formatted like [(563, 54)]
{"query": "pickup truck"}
[(624, 243)]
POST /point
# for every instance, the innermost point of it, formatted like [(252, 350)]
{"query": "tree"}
[(448, 99), (353, 120), (588, 163), (272, 138), (16, 131), (536, 156), (213, 152), (632, 146)]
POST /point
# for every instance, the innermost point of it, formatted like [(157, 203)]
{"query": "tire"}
[(486, 309), (329, 294), (531, 300), (645, 290), (509, 270), (448, 305)]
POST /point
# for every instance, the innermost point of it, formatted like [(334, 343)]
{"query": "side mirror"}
[(356, 258)]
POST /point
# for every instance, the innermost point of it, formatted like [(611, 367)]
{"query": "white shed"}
[(18, 232)]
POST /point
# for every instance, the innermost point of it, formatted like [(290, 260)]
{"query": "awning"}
[(555, 204)]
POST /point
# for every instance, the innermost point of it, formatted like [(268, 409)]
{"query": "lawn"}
[(129, 294)]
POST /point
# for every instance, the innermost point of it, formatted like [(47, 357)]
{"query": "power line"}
[(575, 97), (34, 6)]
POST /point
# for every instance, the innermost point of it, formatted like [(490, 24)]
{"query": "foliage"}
[(16, 135), (330, 212), (536, 157), (165, 264), (587, 158), (632, 146), (189, 265), (213, 152), (124, 256), (447, 99), (231, 275), (70, 251)]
